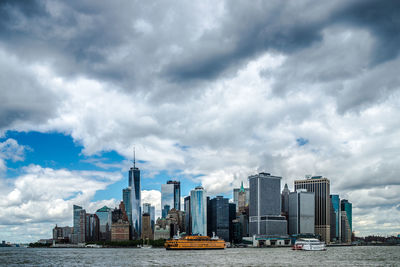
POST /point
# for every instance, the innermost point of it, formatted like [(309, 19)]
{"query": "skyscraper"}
[(79, 224), (265, 206), (198, 210), (335, 218), (134, 184), (219, 217), (301, 212), (92, 228), (188, 216), (321, 187), (104, 215), (148, 208), (170, 196), (126, 198), (347, 207), (285, 199)]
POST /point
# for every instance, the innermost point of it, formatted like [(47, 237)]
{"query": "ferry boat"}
[(194, 242), (310, 244)]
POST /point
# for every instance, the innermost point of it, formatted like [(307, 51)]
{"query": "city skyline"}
[(208, 93)]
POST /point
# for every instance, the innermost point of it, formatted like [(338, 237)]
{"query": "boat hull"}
[(188, 244)]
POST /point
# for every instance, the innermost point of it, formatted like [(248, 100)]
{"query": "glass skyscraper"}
[(188, 216), (104, 215), (134, 184), (335, 218), (198, 210), (347, 207), (79, 224), (170, 197), (126, 198), (219, 213)]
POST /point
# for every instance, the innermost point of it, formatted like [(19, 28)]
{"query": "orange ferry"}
[(194, 242)]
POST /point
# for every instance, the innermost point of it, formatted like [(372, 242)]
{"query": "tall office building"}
[(219, 217), (170, 197), (148, 208), (321, 187), (104, 215), (345, 228), (335, 218), (198, 210), (147, 232), (265, 206), (188, 216), (301, 212), (126, 198), (134, 184), (92, 228), (79, 224), (232, 217), (347, 207), (285, 199), (236, 196)]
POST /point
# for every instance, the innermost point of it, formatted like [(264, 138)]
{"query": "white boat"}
[(309, 244)]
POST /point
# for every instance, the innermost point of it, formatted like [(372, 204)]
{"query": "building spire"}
[(241, 187), (134, 159)]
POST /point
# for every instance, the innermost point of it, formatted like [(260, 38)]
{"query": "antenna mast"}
[(134, 160)]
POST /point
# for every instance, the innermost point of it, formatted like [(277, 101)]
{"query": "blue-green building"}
[(347, 207)]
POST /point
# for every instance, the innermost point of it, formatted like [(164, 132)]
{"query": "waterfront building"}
[(346, 206), (147, 232), (120, 229), (62, 234), (219, 217), (236, 192), (92, 229), (345, 228), (237, 232), (176, 220), (161, 232), (170, 196), (126, 198), (148, 208), (198, 210), (301, 212), (321, 188), (188, 217), (244, 222), (79, 216), (104, 215), (335, 218), (134, 184), (265, 206)]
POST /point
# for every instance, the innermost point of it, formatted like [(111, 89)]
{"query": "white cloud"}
[(10, 150)]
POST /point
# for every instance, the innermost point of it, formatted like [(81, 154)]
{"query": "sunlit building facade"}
[(198, 210)]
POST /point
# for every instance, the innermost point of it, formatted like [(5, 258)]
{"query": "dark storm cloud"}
[(382, 18)]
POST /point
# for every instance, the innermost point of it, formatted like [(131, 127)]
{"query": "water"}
[(334, 256)]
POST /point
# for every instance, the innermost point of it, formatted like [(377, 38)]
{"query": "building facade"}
[(219, 217), (188, 216), (120, 228), (104, 215), (148, 208), (321, 188), (92, 229), (301, 212), (285, 199), (126, 198), (170, 197), (236, 196), (134, 184), (265, 206), (198, 210), (147, 232), (335, 218), (346, 206), (79, 216)]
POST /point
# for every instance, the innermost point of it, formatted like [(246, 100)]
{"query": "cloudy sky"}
[(209, 92)]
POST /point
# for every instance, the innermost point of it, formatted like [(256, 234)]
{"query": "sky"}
[(208, 92)]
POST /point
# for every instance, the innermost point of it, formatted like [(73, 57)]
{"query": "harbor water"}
[(334, 256)]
